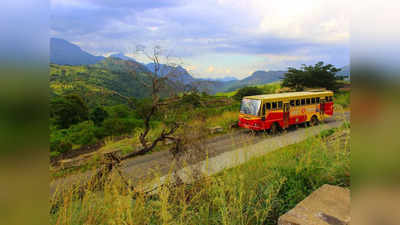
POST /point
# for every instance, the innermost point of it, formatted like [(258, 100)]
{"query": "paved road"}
[(222, 151)]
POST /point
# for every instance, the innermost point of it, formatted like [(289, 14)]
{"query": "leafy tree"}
[(59, 142), (120, 111), (82, 133), (68, 110), (98, 115), (118, 126), (247, 91), (191, 99), (317, 76)]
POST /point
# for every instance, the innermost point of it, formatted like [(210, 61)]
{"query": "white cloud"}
[(311, 20)]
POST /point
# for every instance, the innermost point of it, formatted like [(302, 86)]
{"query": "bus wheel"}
[(314, 121), (274, 129)]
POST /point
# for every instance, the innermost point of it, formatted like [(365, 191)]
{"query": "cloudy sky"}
[(211, 38)]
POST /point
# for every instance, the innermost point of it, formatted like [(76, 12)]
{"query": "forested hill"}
[(106, 82), (112, 79), (73, 69)]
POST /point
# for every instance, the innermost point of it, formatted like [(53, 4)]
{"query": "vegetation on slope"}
[(256, 192)]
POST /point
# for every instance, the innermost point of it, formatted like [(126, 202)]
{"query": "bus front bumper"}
[(252, 124)]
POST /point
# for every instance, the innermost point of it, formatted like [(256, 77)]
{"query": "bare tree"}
[(156, 83)]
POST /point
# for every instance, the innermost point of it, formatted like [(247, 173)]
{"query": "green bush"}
[(118, 126), (119, 111), (247, 91), (59, 141), (68, 110), (191, 99), (98, 115), (342, 98), (82, 133), (101, 132)]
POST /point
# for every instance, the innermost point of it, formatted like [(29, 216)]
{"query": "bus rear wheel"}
[(274, 130), (314, 121)]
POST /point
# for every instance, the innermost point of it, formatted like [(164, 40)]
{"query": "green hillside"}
[(266, 88), (106, 82)]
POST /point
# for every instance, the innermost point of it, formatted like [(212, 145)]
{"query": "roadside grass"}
[(256, 192), (225, 120), (342, 98)]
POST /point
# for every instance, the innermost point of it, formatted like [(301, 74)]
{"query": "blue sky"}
[(211, 38)]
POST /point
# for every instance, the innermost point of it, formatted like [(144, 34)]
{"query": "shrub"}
[(119, 111), (68, 110), (118, 126), (59, 142), (191, 99), (101, 132), (247, 91), (82, 133), (342, 98), (98, 115)]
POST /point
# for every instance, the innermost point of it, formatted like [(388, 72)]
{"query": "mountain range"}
[(70, 58), (222, 79), (121, 55), (63, 52)]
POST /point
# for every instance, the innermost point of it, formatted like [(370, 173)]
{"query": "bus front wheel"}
[(314, 121)]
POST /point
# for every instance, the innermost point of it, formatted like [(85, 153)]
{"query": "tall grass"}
[(256, 192), (343, 99)]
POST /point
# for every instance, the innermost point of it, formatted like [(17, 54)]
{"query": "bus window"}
[(291, 102), (312, 100), (274, 105), (263, 110), (303, 101), (268, 106), (279, 105), (297, 102), (317, 100), (326, 98), (330, 98), (308, 101)]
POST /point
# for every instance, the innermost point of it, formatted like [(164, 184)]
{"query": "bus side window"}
[(274, 105), (291, 102), (317, 100), (268, 106), (263, 110), (326, 98), (279, 105), (297, 102), (303, 101), (308, 101), (312, 100), (330, 98)]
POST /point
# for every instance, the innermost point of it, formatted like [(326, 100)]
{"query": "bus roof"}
[(290, 95)]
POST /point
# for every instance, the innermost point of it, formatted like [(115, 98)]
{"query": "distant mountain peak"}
[(222, 79), (121, 55), (63, 52), (180, 73)]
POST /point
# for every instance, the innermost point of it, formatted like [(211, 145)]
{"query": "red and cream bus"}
[(279, 111)]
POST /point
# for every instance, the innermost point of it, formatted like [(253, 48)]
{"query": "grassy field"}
[(256, 192), (266, 88)]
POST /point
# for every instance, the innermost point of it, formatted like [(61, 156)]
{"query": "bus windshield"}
[(250, 106)]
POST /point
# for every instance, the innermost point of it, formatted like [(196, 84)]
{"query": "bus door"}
[(286, 115), (322, 107)]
